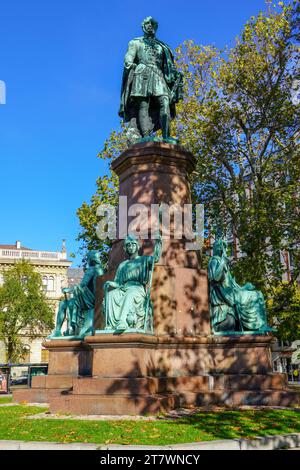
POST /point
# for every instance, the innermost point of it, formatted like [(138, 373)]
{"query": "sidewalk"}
[(283, 441)]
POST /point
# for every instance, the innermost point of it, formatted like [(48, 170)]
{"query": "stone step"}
[(240, 398), (249, 382), (52, 381), (117, 405), (153, 404), (152, 385), (35, 395), (234, 382), (116, 386)]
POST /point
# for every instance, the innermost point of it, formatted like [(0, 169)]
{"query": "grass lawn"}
[(5, 399), (203, 426)]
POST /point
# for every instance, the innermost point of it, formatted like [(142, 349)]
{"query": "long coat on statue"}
[(154, 75)]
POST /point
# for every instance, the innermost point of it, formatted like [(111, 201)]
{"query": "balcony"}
[(33, 255)]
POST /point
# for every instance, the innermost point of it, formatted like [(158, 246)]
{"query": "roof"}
[(14, 247)]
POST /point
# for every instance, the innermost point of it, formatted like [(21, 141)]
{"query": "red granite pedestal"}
[(182, 364), (137, 374)]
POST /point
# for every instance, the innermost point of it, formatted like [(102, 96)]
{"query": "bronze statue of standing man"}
[(151, 86)]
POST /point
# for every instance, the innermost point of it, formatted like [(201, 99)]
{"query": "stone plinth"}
[(155, 173), (139, 355), (138, 374), (67, 357), (67, 360)]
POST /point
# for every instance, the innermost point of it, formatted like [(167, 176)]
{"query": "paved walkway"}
[(284, 441)]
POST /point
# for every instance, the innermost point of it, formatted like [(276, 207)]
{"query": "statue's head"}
[(149, 26), (93, 257), (131, 245), (219, 247)]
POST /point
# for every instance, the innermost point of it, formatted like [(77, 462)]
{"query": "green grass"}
[(203, 426), (5, 399)]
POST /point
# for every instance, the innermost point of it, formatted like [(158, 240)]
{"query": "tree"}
[(284, 310), (238, 118), (106, 193), (24, 309)]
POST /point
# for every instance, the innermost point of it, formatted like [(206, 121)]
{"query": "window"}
[(50, 283), (26, 354)]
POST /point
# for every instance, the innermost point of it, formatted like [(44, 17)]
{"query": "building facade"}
[(53, 267)]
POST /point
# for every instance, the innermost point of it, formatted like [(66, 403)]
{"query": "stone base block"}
[(120, 386), (116, 405), (127, 395), (68, 357), (85, 404), (271, 381), (153, 385), (137, 374), (232, 398), (35, 395), (44, 388), (230, 382), (64, 382), (138, 355)]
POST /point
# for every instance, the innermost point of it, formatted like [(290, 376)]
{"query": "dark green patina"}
[(234, 309), (127, 306), (151, 86), (78, 307)]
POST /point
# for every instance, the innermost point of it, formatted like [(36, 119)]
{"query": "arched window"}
[(45, 282), (51, 283)]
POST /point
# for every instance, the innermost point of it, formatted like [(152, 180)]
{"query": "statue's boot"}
[(171, 140), (165, 124), (69, 332)]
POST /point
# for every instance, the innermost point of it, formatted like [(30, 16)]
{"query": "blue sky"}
[(61, 61)]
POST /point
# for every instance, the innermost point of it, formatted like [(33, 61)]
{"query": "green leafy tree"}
[(24, 309), (238, 118), (106, 193), (284, 310)]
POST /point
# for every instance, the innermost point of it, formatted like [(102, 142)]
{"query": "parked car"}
[(22, 380)]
